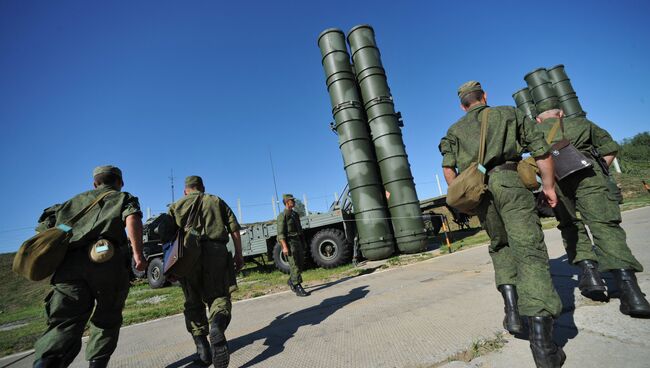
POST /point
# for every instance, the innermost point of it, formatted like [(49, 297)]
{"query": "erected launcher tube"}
[(385, 129), (565, 92), (370, 213), (524, 101)]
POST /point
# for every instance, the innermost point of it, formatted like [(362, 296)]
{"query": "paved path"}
[(413, 316)]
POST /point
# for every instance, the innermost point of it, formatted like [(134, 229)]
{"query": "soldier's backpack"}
[(40, 255), (467, 189), (182, 254), (566, 158)]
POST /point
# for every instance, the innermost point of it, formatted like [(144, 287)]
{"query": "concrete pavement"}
[(413, 316)]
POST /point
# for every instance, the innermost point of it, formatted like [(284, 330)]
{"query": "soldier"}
[(290, 238), (212, 280), (84, 289), (587, 191), (507, 213)]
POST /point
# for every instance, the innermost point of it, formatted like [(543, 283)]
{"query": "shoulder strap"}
[(194, 212), (553, 131), (87, 209), (484, 123)]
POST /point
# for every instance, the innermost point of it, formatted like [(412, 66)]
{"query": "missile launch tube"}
[(370, 212), (565, 92), (385, 128), (524, 101)]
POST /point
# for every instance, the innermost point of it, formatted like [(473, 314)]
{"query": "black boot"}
[(545, 352), (590, 282), (49, 362), (633, 301), (220, 353), (291, 285), (98, 363), (202, 350), (300, 291), (512, 320)]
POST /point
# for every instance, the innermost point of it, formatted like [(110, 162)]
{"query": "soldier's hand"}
[(140, 262), (551, 197), (285, 251), (239, 262)]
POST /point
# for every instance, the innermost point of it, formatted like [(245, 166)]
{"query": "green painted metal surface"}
[(541, 90), (385, 129), (370, 212), (565, 92), (524, 101)]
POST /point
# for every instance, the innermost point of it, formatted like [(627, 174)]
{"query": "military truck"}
[(329, 238)]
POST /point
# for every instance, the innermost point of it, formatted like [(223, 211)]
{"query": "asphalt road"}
[(412, 316)]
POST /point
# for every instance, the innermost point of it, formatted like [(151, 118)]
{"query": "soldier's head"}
[(470, 94), (549, 114), (193, 183), (108, 175), (289, 201)]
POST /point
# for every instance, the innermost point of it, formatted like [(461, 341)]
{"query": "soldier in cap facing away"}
[(92, 282), (212, 279), (507, 213), (290, 238)]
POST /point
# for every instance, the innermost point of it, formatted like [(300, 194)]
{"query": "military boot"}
[(49, 362), (291, 285), (98, 363), (633, 301), (202, 350), (545, 352), (512, 320), (590, 282), (300, 291), (220, 353)]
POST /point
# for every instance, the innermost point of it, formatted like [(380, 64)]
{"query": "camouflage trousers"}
[(296, 258), (83, 290), (210, 284), (587, 191), (517, 248)]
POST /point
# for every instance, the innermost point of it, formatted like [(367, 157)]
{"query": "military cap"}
[(193, 181), (467, 87), (286, 197), (547, 104), (107, 169)]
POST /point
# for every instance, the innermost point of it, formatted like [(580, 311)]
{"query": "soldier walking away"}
[(291, 239), (213, 278), (589, 192), (507, 213), (92, 282)]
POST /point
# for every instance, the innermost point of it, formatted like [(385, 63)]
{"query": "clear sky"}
[(211, 87)]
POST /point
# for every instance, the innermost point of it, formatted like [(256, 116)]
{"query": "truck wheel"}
[(280, 260), (330, 249), (138, 274), (155, 273)]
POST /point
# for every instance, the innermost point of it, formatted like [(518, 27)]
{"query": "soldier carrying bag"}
[(566, 158), (182, 254), (40, 255), (466, 191)]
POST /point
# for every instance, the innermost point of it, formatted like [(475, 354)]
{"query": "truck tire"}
[(280, 260), (137, 274), (330, 249), (155, 274)]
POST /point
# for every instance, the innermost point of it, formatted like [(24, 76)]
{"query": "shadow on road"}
[(284, 327), (565, 283), (185, 362)]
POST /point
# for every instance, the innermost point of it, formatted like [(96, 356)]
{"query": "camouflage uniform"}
[(588, 191), (212, 279), (507, 211), (83, 289), (290, 229)]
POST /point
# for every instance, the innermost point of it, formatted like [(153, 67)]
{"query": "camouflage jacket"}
[(582, 133), (106, 220), (509, 133), (216, 219), (288, 224)]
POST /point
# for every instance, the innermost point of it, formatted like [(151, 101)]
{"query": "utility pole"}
[(275, 186), (171, 178), (240, 218), (439, 187), (304, 201)]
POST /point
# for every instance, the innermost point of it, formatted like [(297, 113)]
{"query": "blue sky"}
[(211, 87)]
